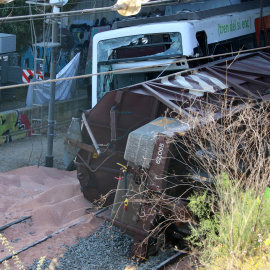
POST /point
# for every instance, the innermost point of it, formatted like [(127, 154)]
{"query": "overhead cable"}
[(73, 12), (135, 68)]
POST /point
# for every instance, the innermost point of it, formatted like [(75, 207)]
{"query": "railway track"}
[(23, 219), (26, 222), (52, 222), (104, 215), (54, 201)]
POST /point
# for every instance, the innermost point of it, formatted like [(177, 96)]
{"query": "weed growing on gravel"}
[(19, 264), (53, 264), (15, 258), (40, 262)]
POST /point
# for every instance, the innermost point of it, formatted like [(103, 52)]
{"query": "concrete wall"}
[(64, 110), (14, 124)]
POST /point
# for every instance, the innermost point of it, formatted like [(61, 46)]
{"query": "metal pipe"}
[(125, 182), (172, 259), (51, 121), (101, 211), (91, 134)]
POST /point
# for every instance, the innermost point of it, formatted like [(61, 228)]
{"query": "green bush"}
[(233, 225)]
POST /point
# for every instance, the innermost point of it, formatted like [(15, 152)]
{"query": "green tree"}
[(20, 28)]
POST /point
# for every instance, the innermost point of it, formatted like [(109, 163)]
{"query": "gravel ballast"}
[(104, 249)]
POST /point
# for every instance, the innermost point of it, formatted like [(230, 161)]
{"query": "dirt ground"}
[(55, 203), (32, 151)]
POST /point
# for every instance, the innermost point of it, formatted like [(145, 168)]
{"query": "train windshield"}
[(115, 53), (140, 47)]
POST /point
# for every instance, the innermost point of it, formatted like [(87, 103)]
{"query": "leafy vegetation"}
[(20, 29), (231, 226)]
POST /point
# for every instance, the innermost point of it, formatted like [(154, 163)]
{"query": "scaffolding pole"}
[(51, 120)]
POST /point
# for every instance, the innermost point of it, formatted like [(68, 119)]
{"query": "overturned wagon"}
[(129, 159)]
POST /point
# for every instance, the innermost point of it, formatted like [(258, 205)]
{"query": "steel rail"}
[(40, 241), (14, 222), (172, 259)]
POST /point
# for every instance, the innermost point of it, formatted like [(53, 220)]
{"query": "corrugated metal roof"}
[(235, 81), (197, 83)]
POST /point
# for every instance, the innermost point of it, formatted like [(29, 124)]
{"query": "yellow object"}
[(143, 258), (95, 155), (163, 122), (128, 7), (122, 165), (126, 202)]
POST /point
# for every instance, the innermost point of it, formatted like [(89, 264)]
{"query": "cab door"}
[(263, 36)]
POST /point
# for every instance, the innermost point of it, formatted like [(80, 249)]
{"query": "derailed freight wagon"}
[(128, 139)]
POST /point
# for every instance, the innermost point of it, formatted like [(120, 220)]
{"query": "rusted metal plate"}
[(159, 165), (131, 112)]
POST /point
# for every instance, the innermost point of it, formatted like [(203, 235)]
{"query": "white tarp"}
[(63, 89)]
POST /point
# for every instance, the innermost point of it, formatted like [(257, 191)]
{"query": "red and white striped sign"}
[(27, 72)]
